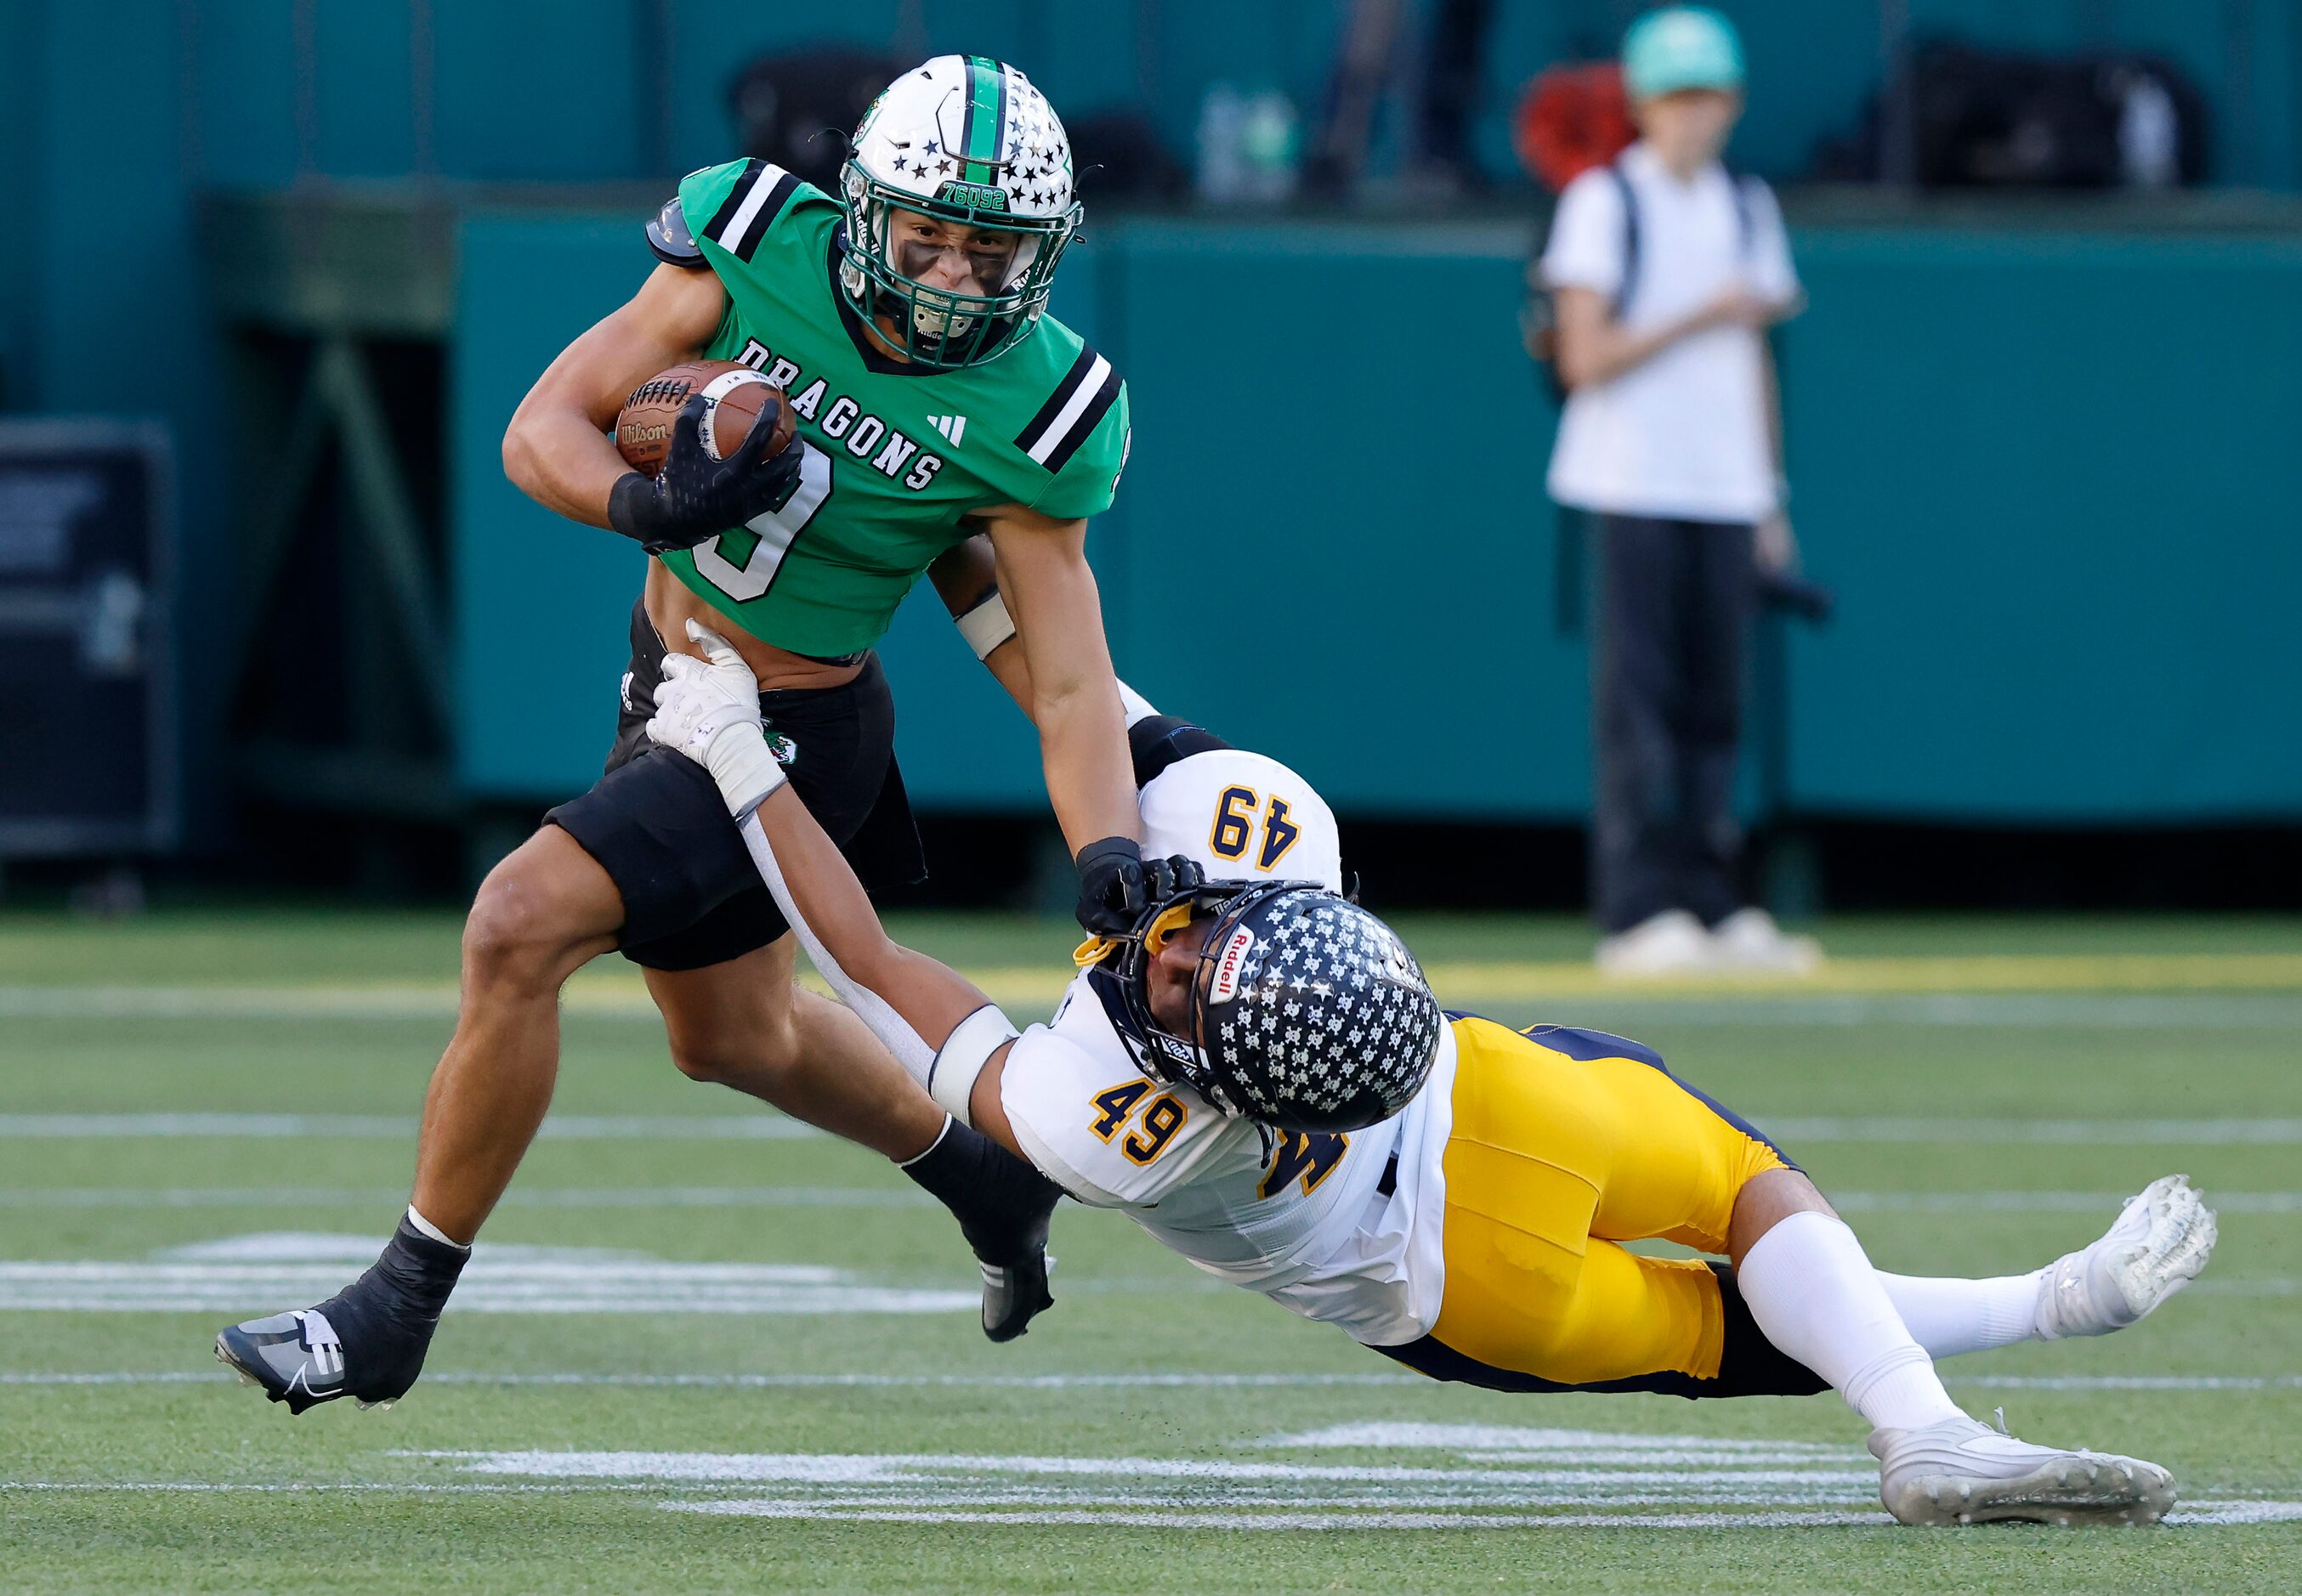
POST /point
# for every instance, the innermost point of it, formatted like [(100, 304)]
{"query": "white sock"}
[(434, 1231), (1951, 1316), (1813, 1292)]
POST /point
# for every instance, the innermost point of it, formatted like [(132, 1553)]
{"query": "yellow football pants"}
[(1565, 1144)]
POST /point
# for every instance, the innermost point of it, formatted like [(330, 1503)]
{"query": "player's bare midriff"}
[(670, 605)]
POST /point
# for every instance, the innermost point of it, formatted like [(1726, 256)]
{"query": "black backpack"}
[(1538, 317)]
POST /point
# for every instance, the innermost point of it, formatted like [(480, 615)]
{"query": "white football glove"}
[(709, 710)]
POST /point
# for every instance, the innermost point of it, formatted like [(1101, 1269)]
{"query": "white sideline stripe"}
[(291, 1487), (1067, 1382), (2234, 1010), (1050, 1382), (542, 1197), (834, 1468), (762, 1127), (642, 1198), (251, 1273), (354, 1127), (2115, 1133), (2205, 1513), (1584, 1470)]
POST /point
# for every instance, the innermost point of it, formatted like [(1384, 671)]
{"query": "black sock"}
[(419, 1269), (1001, 1202), (385, 1319)]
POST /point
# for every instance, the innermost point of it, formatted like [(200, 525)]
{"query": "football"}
[(734, 395)]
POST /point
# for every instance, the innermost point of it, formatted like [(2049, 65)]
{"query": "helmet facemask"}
[(1305, 1012), (941, 327)]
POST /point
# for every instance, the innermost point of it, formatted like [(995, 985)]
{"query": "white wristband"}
[(986, 626), (951, 1078), (740, 763)]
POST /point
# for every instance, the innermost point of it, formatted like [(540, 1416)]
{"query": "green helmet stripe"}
[(987, 116)]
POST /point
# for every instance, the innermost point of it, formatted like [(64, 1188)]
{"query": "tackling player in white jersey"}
[(1258, 1074)]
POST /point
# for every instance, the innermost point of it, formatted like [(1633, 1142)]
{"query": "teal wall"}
[(113, 118), (2052, 477), (514, 99)]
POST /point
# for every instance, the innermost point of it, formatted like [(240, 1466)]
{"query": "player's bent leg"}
[(1625, 1322), (1812, 1290), (540, 915), (743, 1024)]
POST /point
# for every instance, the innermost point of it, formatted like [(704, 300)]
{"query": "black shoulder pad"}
[(1158, 741), (668, 237)]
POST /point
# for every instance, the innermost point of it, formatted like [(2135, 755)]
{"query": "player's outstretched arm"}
[(1043, 576), (709, 710), (557, 450)]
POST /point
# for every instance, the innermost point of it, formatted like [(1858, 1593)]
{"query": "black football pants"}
[(1674, 620)]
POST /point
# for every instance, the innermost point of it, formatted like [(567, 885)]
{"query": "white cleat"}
[(2161, 1242), (1961, 1471), (1671, 942), (1749, 939)]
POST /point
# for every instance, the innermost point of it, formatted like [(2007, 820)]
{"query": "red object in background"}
[(1571, 119)]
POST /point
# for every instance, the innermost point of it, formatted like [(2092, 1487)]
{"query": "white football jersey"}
[(1342, 1228)]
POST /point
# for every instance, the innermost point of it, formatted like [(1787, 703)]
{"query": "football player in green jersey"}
[(905, 320)]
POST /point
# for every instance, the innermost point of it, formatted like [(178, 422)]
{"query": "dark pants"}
[(1675, 605)]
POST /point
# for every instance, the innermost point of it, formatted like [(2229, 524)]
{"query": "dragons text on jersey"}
[(859, 431), (1045, 427)]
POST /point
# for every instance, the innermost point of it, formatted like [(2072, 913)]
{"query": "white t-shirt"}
[(1686, 434)]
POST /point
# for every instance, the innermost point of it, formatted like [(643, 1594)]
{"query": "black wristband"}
[(630, 506)]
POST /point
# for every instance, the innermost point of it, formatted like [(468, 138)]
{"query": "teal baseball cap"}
[(1680, 47)]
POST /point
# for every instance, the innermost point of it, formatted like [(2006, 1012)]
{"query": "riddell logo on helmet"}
[(1228, 964)]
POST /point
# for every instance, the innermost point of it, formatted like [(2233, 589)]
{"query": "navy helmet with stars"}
[(1306, 1012), (967, 140)]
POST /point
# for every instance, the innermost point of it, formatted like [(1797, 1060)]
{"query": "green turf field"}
[(702, 1350)]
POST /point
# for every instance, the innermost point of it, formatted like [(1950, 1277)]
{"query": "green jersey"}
[(896, 454)]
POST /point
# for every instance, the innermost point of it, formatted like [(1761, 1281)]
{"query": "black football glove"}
[(1117, 884), (696, 497)]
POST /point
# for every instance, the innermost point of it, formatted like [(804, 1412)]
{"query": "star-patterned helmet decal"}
[(1330, 1024)]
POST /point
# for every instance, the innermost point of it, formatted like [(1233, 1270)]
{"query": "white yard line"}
[(542, 1197), (1050, 1382), (759, 1127), (2205, 1513), (2103, 1203), (1068, 1382), (613, 1000), (732, 1126)]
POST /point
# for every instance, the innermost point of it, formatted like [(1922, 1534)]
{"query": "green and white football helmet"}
[(966, 139)]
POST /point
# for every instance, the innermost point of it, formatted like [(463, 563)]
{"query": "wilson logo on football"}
[(1227, 965)]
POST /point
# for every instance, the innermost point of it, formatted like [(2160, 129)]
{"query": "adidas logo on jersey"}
[(954, 427)]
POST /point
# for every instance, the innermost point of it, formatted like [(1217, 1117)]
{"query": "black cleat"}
[(367, 1342), (1003, 1206), (1015, 1292)]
